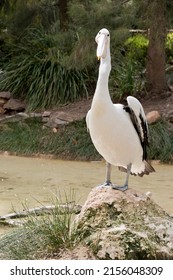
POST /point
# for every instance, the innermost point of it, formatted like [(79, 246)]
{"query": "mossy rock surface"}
[(125, 225)]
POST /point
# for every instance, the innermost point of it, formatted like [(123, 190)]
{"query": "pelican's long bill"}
[(101, 46)]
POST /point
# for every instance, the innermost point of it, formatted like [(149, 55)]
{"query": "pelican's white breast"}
[(113, 135)]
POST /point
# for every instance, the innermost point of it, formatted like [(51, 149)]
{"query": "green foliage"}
[(38, 73), (169, 58), (20, 244), (91, 16), (73, 141), (137, 48), (128, 73), (161, 142), (41, 237), (127, 69), (126, 78), (50, 66), (169, 47), (28, 138), (18, 15), (169, 42)]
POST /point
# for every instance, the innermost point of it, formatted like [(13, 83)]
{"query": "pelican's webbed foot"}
[(125, 187), (120, 188), (106, 184)]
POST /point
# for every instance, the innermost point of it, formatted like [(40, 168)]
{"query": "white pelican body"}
[(117, 141), (118, 132)]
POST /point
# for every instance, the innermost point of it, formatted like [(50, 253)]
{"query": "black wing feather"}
[(143, 138)]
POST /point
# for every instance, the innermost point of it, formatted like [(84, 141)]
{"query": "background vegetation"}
[(47, 57), (73, 141), (47, 48)]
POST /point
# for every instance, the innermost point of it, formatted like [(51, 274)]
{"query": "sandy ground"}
[(37, 181)]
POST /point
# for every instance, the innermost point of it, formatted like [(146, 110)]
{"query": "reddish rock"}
[(153, 117)]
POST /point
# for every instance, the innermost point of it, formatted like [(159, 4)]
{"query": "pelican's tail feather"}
[(148, 169)]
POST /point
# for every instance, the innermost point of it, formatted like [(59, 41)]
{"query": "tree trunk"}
[(155, 69), (63, 15)]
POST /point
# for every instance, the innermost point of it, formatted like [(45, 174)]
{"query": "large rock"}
[(14, 105), (58, 118), (125, 225)]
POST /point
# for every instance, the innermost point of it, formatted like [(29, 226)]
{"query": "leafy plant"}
[(39, 75), (161, 139), (169, 47), (127, 78), (136, 48)]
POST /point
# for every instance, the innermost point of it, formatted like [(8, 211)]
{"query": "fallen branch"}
[(146, 31), (169, 68), (62, 208), (9, 222), (138, 31)]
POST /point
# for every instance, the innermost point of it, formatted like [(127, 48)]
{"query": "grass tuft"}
[(161, 142), (41, 237), (29, 138)]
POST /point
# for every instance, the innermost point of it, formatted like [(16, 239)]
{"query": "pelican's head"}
[(102, 40)]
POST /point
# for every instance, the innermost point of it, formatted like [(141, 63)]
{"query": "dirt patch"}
[(78, 110), (162, 104)]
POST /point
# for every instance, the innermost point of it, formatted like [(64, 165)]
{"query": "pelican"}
[(119, 132)]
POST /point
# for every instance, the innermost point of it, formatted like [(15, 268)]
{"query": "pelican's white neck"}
[(102, 90), (105, 67)]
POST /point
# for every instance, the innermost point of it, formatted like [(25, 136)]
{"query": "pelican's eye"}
[(108, 35)]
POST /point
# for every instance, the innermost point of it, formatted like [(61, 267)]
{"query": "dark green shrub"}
[(38, 74), (126, 78), (161, 142)]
